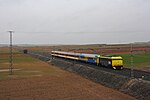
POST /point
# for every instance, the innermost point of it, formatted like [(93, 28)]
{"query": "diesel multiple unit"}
[(115, 62)]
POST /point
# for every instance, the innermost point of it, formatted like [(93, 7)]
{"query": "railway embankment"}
[(135, 87)]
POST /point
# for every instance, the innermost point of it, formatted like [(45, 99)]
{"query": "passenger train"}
[(115, 62)]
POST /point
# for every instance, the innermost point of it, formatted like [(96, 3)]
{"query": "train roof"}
[(67, 53), (77, 54), (89, 55), (112, 57)]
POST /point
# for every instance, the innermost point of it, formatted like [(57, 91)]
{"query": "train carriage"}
[(68, 55), (90, 58)]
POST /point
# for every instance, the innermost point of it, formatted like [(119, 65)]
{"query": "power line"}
[(132, 74), (11, 55)]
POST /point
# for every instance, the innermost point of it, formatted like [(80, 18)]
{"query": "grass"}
[(139, 60), (28, 66), (6, 51)]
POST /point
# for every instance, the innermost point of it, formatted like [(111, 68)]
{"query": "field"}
[(26, 65), (37, 80), (140, 61)]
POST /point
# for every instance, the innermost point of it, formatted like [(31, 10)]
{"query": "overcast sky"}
[(75, 21)]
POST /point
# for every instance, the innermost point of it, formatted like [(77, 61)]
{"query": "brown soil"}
[(94, 49), (61, 86), (114, 50)]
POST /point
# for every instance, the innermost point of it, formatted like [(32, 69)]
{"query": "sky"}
[(75, 21)]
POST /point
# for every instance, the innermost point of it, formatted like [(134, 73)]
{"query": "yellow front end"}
[(117, 64)]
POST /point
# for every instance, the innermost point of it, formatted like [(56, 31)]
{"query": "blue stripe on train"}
[(91, 61)]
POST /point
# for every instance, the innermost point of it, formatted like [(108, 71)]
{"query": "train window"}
[(81, 56), (109, 62), (94, 58)]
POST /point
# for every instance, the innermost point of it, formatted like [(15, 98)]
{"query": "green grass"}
[(24, 59), (139, 60), (28, 66)]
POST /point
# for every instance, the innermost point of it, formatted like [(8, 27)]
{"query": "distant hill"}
[(3, 45), (142, 42)]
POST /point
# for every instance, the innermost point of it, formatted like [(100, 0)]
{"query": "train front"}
[(117, 62)]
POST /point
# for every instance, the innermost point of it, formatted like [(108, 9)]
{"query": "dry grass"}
[(60, 86)]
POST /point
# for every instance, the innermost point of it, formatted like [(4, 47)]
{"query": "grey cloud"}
[(99, 21)]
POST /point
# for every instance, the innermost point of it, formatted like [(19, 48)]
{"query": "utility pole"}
[(132, 74), (11, 55)]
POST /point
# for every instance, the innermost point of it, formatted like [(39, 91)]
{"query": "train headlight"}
[(109, 62)]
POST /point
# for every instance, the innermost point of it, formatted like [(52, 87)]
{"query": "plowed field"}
[(61, 86)]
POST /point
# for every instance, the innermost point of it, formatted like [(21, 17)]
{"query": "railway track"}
[(126, 72)]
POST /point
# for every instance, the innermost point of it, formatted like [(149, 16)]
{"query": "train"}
[(114, 62)]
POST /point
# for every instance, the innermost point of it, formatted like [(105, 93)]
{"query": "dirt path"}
[(61, 86)]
